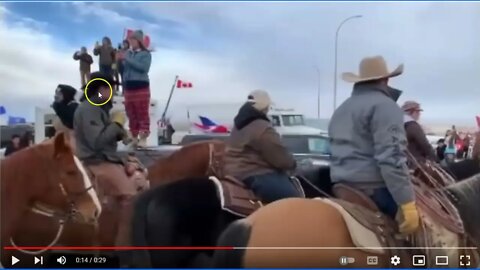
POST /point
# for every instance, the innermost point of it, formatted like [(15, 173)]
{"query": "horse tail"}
[(237, 234), (141, 258)]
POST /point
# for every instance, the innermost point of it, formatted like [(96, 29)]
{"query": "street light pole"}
[(336, 58), (318, 90)]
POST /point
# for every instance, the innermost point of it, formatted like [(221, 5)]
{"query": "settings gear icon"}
[(395, 260)]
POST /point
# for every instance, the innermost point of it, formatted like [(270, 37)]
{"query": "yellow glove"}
[(411, 219), (119, 117)]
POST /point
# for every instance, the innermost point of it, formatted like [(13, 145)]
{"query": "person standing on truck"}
[(106, 55), (85, 61), (136, 63)]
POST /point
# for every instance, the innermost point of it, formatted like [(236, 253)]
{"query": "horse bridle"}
[(61, 216)]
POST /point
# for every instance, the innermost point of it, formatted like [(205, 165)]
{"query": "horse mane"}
[(176, 166), (466, 195)]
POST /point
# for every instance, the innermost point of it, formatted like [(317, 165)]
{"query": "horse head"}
[(69, 184), (197, 159), (465, 195)]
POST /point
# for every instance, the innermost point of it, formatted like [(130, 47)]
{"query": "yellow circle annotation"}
[(86, 88)]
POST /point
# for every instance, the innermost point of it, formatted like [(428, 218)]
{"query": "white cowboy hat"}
[(372, 68)]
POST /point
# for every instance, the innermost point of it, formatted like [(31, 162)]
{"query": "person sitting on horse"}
[(418, 144), (368, 143), (97, 134), (255, 154), (64, 105)]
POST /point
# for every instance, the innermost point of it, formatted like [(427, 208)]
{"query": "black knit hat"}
[(67, 91)]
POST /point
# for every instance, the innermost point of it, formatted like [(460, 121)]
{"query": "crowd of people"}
[(128, 65)]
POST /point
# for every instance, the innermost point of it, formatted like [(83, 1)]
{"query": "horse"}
[(187, 213), (49, 180), (193, 160), (302, 233)]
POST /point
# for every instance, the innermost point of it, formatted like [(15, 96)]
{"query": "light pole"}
[(318, 90), (336, 58)]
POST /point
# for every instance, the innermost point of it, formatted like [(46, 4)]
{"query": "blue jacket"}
[(136, 66)]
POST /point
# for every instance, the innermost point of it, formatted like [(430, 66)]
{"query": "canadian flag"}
[(184, 84), (146, 38)]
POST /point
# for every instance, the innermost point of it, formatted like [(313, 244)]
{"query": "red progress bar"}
[(117, 248)]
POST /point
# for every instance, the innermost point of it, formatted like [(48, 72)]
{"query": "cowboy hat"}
[(372, 68)]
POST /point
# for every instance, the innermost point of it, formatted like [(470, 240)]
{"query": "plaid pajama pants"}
[(137, 104)]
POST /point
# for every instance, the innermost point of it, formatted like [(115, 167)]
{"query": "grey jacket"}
[(96, 135), (136, 66), (368, 143)]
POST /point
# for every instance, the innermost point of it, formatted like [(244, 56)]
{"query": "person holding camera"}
[(85, 61)]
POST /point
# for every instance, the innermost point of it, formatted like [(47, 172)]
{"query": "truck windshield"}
[(293, 120)]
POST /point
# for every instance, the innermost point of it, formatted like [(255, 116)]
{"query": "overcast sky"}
[(227, 49)]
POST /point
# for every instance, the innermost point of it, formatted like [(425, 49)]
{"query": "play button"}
[(14, 260), (99, 95)]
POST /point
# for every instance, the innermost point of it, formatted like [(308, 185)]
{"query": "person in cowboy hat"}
[(136, 63), (255, 153), (97, 131), (368, 143), (418, 144)]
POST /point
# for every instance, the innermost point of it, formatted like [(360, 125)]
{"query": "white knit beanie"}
[(260, 99)]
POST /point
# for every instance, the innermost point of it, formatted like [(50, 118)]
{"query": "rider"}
[(255, 153), (368, 143), (418, 143), (64, 105), (97, 134)]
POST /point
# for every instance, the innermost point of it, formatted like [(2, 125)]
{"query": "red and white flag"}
[(146, 38), (184, 84)]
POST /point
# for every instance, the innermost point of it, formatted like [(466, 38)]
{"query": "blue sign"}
[(13, 120)]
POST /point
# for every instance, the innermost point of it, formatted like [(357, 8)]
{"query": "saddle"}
[(365, 211), (236, 198), (436, 220)]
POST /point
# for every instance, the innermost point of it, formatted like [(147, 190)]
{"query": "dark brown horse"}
[(194, 160), (315, 234), (46, 179)]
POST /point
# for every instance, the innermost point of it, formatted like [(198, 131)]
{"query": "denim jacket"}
[(136, 66)]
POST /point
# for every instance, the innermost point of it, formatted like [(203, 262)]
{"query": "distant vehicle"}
[(285, 121)]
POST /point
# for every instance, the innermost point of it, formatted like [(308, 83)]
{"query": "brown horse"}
[(194, 160), (46, 179), (315, 234)]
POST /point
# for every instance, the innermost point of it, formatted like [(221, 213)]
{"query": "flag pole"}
[(170, 97)]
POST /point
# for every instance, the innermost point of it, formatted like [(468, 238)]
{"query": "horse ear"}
[(61, 145)]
